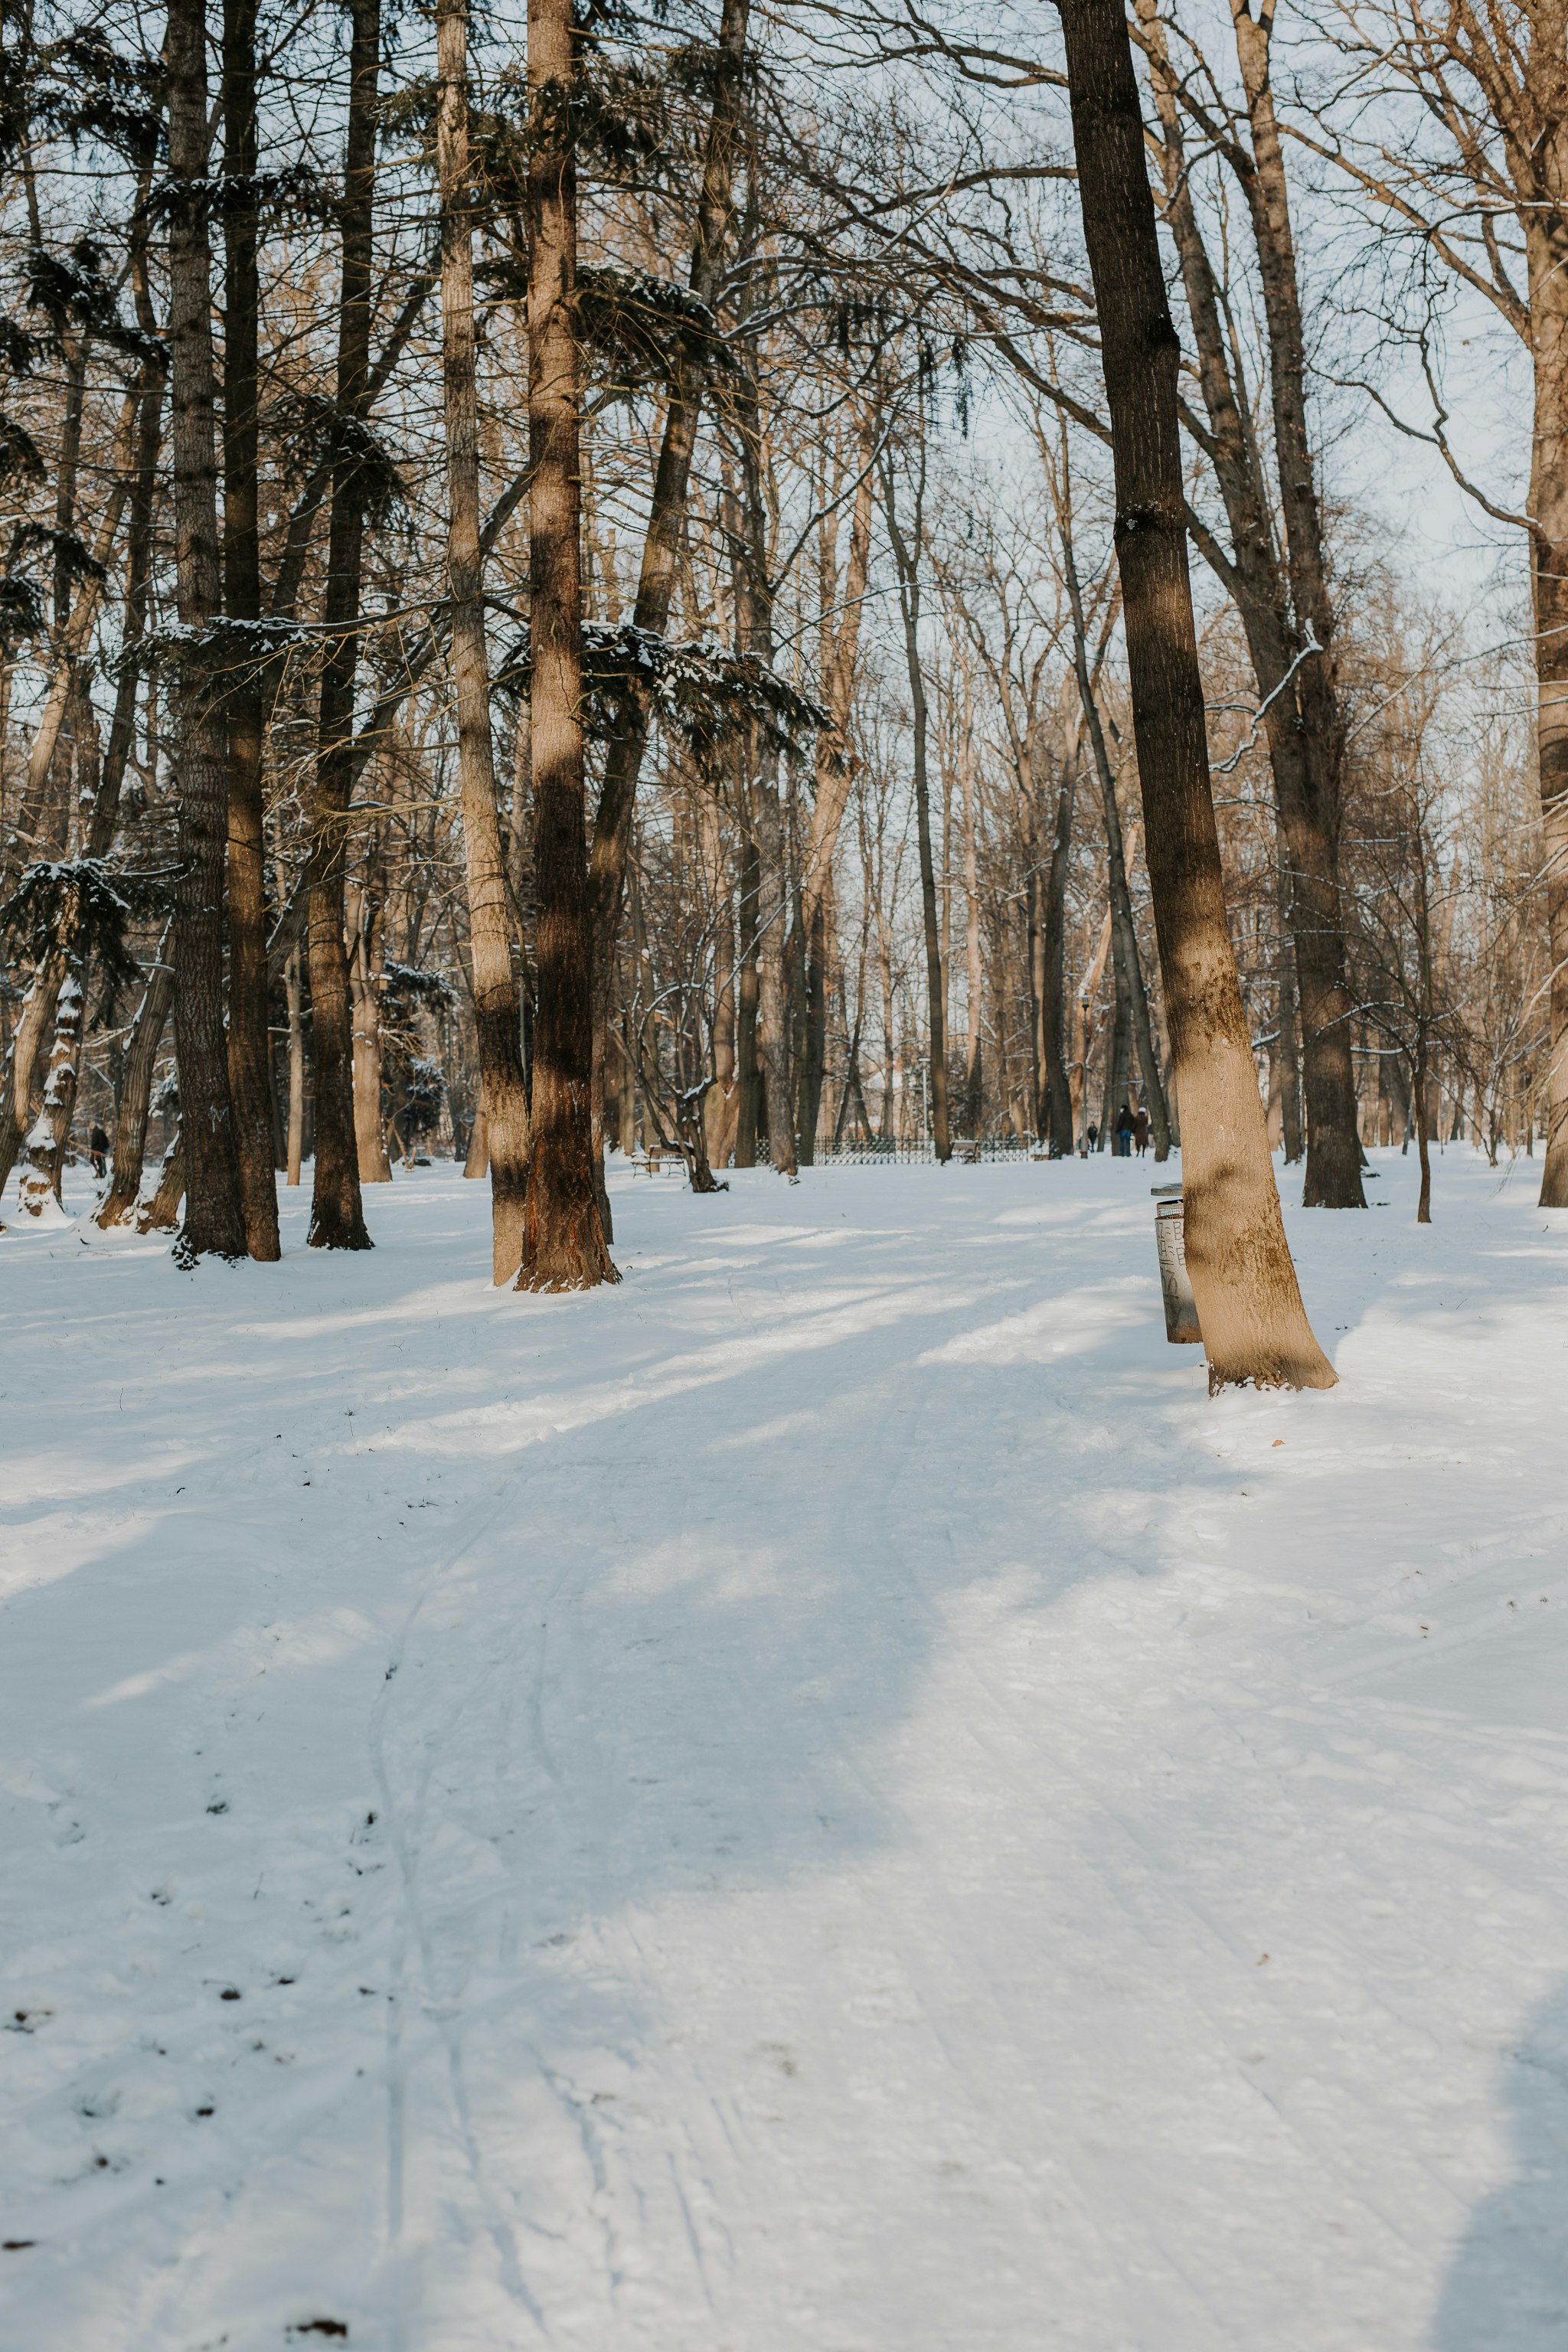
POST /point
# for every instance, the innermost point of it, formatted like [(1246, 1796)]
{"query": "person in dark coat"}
[(1124, 1126), (1090, 1136), (98, 1149), (1141, 1133)]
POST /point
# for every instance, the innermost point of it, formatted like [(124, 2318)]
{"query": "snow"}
[(824, 1799)]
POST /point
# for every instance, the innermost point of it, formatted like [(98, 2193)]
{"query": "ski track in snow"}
[(825, 1800)]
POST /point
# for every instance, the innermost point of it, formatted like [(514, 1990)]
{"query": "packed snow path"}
[(825, 1800)]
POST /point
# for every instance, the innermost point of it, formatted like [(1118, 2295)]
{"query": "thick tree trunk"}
[(563, 1240), (215, 1221), (497, 1021), (249, 1044), (1254, 1325), (136, 1091), (337, 1210)]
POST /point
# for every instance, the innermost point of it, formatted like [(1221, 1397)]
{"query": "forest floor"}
[(824, 1799)]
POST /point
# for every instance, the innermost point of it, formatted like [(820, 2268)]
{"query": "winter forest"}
[(741, 746)]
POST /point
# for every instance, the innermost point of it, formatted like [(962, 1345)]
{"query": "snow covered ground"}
[(824, 1801)]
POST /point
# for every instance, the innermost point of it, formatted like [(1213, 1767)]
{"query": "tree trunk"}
[(1289, 1053), (1059, 1083), (294, 991), (370, 1146), (249, 1041), (102, 816), (1254, 1325), (26, 1047), (497, 1019), (161, 1214), (906, 557), (1423, 1138), (974, 1075), (136, 1091), (1546, 259), (43, 1156), (564, 1241), (337, 1210), (756, 619), (215, 1221), (477, 1160), (747, 1077), (724, 1105)]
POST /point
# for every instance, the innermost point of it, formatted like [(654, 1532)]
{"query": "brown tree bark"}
[(563, 1240), (214, 1221), (249, 1044), (1254, 1325), (497, 1019), (337, 1210)]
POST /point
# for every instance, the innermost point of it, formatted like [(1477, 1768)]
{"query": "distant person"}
[(98, 1149), (1140, 1132), (1124, 1130), (1090, 1136)]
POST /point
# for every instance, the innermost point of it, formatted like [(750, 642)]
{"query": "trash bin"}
[(1180, 1308)]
